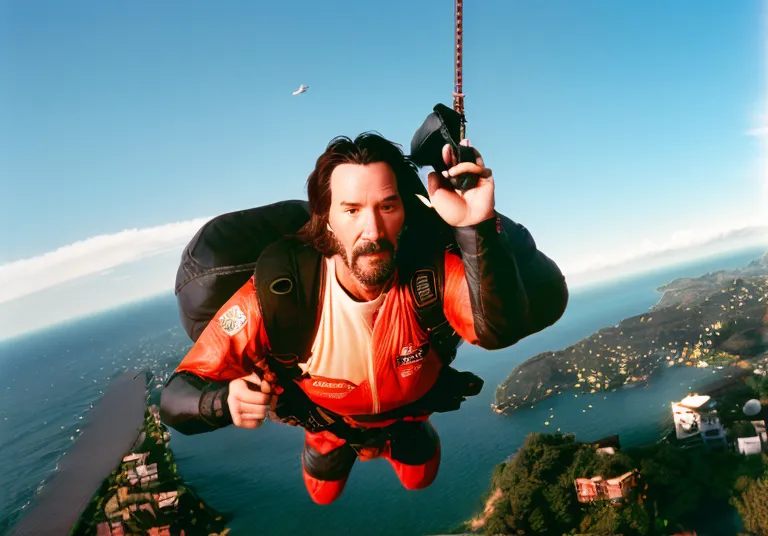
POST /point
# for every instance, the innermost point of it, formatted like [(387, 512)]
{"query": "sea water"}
[(50, 380)]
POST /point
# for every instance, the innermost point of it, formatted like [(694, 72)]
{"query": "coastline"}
[(716, 320)]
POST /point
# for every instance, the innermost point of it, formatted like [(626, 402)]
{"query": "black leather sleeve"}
[(193, 405), (515, 289)]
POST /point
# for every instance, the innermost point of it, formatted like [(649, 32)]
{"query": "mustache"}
[(374, 247)]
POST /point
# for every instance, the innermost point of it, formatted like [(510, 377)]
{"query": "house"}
[(166, 499), (107, 529), (135, 458), (607, 445), (686, 416), (749, 445), (612, 489), (619, 487), (697, 422), (752, 444), (588, 489)]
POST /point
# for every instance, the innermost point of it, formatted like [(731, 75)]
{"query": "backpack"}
[(222, 256)]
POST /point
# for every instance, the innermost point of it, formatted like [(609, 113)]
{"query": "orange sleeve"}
[(456, 303), (232, 342)]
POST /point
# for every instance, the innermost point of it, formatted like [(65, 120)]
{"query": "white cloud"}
[(681, 246), (106, 271), (100, 255), (91, 256), (678, 241), (760, 131)]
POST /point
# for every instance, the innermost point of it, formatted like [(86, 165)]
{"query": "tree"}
[(538, 495), (752, 505), (628, 519)]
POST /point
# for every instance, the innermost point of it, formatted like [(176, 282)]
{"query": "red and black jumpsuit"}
[(497, 291)]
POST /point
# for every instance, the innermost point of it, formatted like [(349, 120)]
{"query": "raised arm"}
[(501, 288)]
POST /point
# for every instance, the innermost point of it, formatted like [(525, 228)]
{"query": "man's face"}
[(366, 217)]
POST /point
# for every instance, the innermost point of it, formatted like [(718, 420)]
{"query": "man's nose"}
[(373, 227)]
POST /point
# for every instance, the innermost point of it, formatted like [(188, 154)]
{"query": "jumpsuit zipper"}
[(372, 371)]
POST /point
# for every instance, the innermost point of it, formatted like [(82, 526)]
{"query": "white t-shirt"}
[(343, 345)]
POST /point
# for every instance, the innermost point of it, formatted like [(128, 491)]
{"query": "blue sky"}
[(614, 129)]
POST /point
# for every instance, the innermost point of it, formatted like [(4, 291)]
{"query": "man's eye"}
[(387, 207), (351, 211)]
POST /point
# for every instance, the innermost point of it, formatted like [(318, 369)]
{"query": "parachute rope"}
[(458, 94)]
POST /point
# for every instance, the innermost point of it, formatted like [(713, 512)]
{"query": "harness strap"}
[(289, 278), (427, 288)]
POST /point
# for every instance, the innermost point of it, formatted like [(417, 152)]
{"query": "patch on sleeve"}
[(233, 320)]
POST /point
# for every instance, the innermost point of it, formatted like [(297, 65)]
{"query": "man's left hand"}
[(462, 208)]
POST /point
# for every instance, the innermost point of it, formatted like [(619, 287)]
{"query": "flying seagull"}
[(302, 89)]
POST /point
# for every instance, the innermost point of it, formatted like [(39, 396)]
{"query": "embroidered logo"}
[(233, 320), (410, 354), (332, 385), (328, 388)]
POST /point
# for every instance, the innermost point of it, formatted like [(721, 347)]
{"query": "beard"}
[(378, 271)]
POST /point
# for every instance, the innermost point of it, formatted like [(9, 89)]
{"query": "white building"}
[(696, 421), (754, 444), (749, 445)]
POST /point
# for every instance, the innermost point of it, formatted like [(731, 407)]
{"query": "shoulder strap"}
[(288, 278), (427, 285)]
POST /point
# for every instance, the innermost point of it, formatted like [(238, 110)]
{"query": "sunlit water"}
[(50, 380)]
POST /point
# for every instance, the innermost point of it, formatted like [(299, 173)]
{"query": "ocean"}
[(51, 379)]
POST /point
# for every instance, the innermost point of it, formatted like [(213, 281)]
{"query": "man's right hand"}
[(250, 399)]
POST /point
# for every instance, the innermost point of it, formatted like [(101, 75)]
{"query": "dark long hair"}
[(367, 148)]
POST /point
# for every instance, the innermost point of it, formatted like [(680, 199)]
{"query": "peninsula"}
[(716, 320)]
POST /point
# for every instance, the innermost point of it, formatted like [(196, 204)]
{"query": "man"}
[(373, 371)]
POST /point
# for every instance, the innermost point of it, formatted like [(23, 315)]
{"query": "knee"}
[(327, 458), (415, 477)]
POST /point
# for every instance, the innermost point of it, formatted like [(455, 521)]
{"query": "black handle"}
[(465, 181)]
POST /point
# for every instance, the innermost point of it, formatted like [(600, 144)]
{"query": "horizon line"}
[(586, 285)]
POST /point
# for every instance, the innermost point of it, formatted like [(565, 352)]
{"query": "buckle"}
[(291, 420), (314, 424), (324, 415)]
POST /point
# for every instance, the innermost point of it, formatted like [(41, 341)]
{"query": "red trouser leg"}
[(414, 453), (326, 463)]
